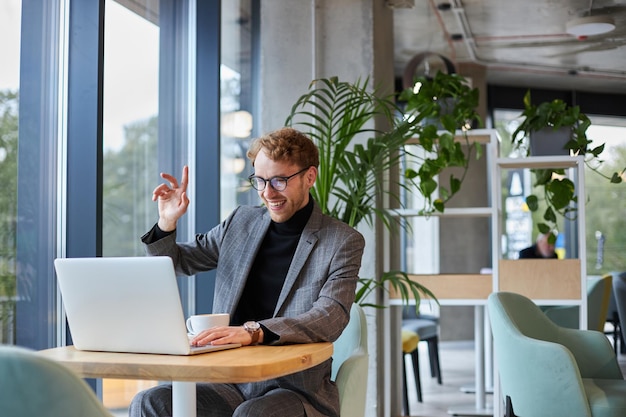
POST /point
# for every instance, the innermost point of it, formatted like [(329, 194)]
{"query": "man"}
[(285, 272), (542, 249)]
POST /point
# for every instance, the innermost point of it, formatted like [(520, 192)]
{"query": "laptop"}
[(125, 305)]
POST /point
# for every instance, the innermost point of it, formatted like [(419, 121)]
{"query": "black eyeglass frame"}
[(255, 179)]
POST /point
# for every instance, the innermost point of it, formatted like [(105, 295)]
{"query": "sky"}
[(9, 46), (131, 71), (130, 66)]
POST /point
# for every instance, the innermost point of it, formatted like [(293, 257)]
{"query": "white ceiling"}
[(520, 42)]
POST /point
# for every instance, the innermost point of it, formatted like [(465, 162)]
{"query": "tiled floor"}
[(457, 369)]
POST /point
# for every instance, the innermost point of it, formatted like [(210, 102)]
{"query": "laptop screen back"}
[(123, 304)]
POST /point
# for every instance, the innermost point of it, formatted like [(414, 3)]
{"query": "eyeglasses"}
[(277, 183)]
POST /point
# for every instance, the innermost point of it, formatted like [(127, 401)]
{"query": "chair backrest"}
[(619, 291), (599, 292), (526, 362), (31, 385), (598, 300), (612, 314), (350, 364)]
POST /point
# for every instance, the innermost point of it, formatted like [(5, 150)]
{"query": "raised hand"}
[(172, 199)]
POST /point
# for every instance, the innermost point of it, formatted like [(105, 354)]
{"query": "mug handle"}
[(189, 326)]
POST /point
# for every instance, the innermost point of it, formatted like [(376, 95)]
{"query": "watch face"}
[(252, 325)]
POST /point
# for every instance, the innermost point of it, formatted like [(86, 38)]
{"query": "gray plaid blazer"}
[(315, 300)]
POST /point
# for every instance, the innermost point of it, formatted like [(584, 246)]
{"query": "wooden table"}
[(245, 364)]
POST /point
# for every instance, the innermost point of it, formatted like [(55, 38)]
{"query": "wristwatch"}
[(254, 329)]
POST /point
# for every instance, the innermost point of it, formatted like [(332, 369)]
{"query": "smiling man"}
[(285, 272)]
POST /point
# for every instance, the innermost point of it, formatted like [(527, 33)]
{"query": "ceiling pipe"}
[(470, 44), (437, 12), (461, 19)]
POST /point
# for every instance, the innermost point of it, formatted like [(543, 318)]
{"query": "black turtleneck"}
[(270, 267)]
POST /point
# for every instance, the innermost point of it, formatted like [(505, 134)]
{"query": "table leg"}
[(480, 408), (479, 336), (395, 358), (183, 399), (471, 389)]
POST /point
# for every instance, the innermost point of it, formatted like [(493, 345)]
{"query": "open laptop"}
[(125, 305)]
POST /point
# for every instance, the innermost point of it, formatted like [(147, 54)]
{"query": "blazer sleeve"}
[(199, 255)]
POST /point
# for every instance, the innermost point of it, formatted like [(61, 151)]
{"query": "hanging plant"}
[(559, 192)]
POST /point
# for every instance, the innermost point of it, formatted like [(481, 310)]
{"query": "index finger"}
[(185, 178)]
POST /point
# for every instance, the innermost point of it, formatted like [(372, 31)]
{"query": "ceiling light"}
[(590, 26)]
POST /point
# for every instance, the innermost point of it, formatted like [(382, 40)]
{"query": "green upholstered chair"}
[(612, 317), (598, 299), (619, 291), (547, 370), (350, 364), (31, 385)]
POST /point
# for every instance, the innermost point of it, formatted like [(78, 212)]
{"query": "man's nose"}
[(269, 190)]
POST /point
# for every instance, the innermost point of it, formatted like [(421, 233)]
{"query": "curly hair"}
[(286, 145)]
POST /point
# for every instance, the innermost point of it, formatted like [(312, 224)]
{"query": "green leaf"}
[(532, 202), (549, 215), (561, 192), (543, 228), (455, 184), (428, 186), (616, 178)]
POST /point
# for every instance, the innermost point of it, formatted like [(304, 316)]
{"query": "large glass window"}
[(236, 104), (10, 18), (130, 126), (605, 220)]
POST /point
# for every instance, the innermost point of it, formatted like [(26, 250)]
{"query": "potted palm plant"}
[(356, 158), (567, 126)]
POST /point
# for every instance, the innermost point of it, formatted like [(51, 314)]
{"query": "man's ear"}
[(311, 175)]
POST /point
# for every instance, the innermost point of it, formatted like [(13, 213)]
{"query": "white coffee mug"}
[(200, 322)]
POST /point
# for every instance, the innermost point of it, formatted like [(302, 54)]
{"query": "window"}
[(237, 103), (130, 126), (10, 12)]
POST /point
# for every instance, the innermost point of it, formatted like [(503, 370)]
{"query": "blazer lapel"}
[(250, 244)]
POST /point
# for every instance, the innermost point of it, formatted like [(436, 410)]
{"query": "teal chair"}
[(31, 385), (547, 370), (599, 291), (350, 364)]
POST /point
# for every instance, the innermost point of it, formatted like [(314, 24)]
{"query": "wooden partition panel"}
[(541, 279), (454, 286)]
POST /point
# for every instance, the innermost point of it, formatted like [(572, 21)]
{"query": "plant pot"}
[(548, 142), (447, 107)]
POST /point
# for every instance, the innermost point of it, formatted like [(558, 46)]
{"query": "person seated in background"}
[(542, 249)]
